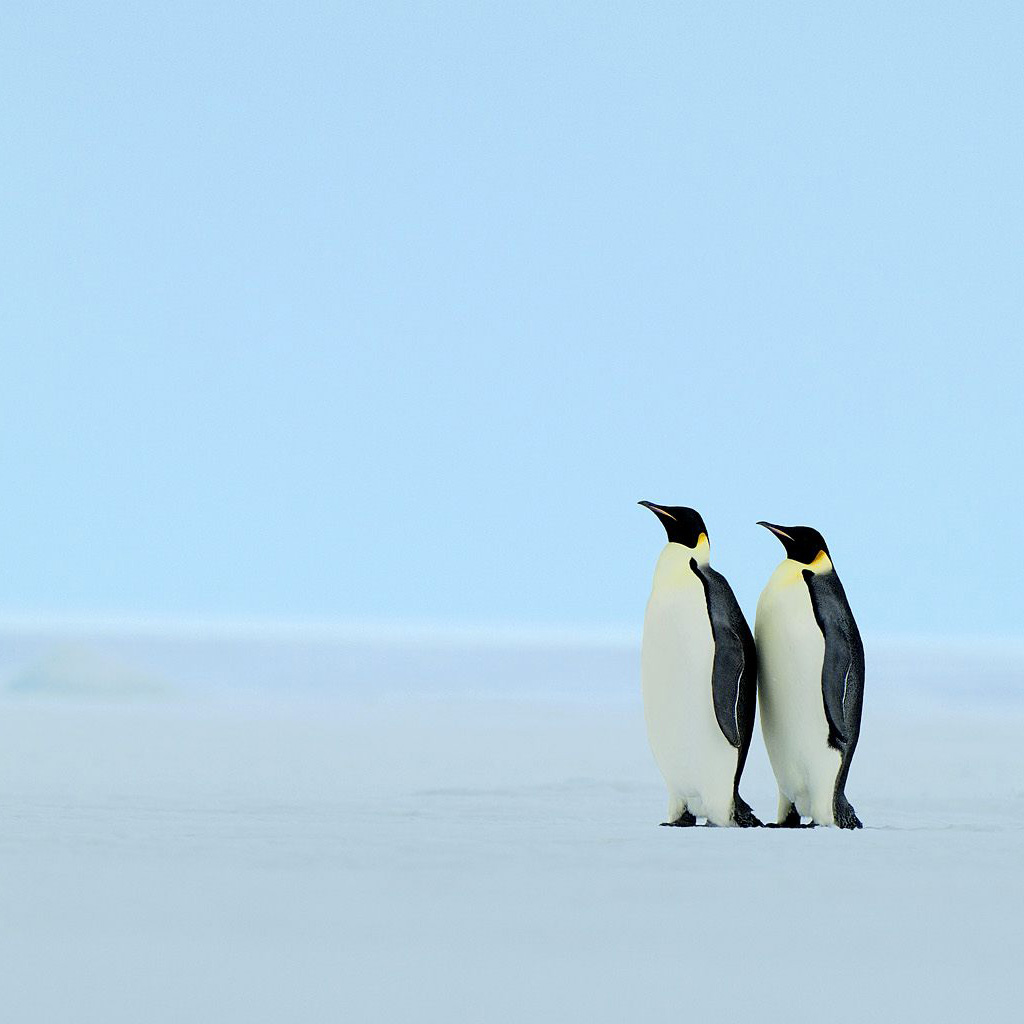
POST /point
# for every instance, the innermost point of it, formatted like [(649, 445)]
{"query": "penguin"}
[(699, 678), (810, 681)]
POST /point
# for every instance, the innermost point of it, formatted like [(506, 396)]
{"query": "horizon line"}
[(416, 631)]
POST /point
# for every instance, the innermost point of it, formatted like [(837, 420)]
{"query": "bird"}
[(810, 681), (699, 678)]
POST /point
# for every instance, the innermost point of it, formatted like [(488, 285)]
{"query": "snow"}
[(372, 851)]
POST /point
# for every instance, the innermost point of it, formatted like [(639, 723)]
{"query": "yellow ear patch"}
[(821, 563), (702, 549)]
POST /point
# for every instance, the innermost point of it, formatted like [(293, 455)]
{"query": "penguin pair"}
[(703, 672)]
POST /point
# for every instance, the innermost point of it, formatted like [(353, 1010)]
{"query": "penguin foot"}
[(743, 814), (791, 820), (685, 820), (846, 816)]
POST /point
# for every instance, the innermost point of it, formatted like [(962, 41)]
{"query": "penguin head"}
[(683, 525), (802, 543)]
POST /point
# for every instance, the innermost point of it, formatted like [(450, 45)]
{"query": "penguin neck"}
[(673, 568), (789, 570), (821, 565), (701, 554)]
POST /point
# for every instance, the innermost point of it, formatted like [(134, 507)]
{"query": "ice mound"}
[(82, 671)]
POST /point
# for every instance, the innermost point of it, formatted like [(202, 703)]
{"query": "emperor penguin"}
[(811, 681), (699, 672)]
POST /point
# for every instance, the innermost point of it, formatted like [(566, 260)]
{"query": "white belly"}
[(696, 760), (790, 652)]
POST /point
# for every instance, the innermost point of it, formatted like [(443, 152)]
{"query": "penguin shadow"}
[(689, 821), (697, 824), (743, 817), (710, 824)]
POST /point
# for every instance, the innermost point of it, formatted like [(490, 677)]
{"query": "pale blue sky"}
[(394, 311)]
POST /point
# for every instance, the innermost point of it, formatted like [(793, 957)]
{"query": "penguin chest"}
[(790, 652), (696, 760)]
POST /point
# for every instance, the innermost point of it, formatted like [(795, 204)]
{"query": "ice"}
[(80, 671), (344, 851)]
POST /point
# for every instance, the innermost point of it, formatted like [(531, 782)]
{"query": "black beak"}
[(654, 508), (777, 530)]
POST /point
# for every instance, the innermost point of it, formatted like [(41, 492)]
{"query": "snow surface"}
[(367, 852)]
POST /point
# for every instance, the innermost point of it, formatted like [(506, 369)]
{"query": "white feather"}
[(696, 760), (790, 652)]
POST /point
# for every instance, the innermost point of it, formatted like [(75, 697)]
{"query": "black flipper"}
[(842, 679), (734, 674)]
